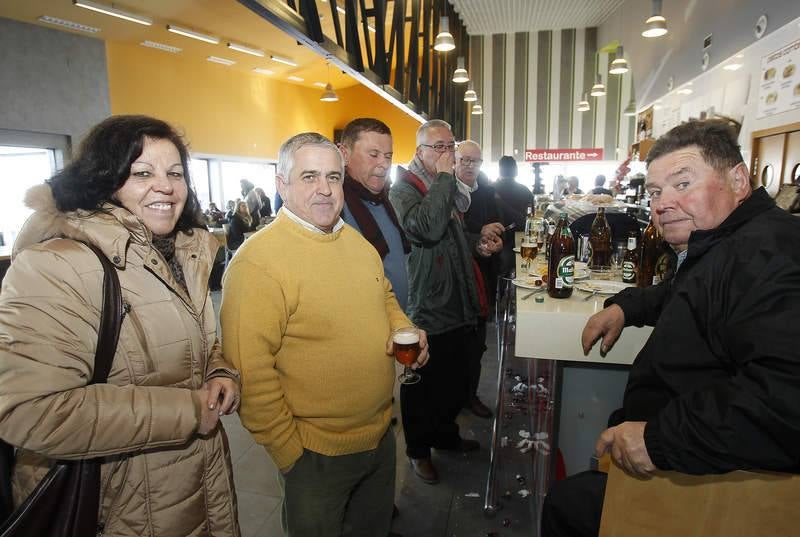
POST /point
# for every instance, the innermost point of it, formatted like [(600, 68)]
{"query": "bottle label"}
[(631, 243), (565, 272), (628, 271), (661, 269)]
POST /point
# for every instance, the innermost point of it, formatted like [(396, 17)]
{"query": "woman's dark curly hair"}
[(103, 164)]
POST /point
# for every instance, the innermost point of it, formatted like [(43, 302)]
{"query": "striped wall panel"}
[(529, 84)]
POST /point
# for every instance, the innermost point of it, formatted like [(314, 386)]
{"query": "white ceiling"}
[(485, 17)]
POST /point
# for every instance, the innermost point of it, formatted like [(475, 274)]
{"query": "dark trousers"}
[(430, 406), (341, 496), (474, 363), (574, 505)]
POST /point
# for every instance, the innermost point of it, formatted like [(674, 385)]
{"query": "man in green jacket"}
[(444, 296)]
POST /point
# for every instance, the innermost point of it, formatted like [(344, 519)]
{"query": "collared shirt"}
[(472, 188), (681, 258), (336, 227)]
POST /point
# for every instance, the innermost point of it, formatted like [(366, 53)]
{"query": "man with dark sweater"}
[(367, 149), (714, 388), (514, 199), (482, 214)]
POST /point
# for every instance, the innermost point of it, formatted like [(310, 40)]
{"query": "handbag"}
[(66, 502)]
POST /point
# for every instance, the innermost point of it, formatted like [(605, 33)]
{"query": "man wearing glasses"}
[(482, 217), (444, 298)]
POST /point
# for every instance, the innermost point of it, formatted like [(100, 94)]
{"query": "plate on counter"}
[(526, 283), (602, 287)]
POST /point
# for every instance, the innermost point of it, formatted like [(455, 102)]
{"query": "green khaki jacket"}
[(442, 292)]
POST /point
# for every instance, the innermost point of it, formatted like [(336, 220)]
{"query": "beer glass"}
[(528, 250), (406, 351)]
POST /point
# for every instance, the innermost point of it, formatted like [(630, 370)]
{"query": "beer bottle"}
[(561, 266), (649, 255), (600, 242), (630, 262)]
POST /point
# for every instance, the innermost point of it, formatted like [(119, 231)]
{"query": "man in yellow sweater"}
[(307, 316)]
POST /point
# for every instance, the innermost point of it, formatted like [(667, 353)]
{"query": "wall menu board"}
[(779, 84)]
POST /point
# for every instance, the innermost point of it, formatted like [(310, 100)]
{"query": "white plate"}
[(602, 287), (525, 285)]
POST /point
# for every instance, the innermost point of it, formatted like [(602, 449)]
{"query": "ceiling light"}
[(222, 61), (656, 25), (583, 104), (329, 96), (444, 39), (262, 71), (246, 50), (68, 24), (733, 67), (191, 33), (295, 78), (620, 65), (460, 75), (341, 10), (470, 96), (684, 91), (161, 46), (598, 90), (371, 28), (114, 12), (630, 110), (320, 84), (657, 105), (281, 59), (477, 110)]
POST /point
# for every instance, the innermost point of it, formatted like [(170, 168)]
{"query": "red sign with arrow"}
[(563, 155)]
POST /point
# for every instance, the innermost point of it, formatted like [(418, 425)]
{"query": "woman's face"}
[(156, 189), (242, 209)]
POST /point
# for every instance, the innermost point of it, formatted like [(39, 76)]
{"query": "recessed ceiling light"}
[(319, 84), (191, 33), (684, 91), (733, 67), (114, 12), (223, 61), (295, 78), (281, 59), (68, 24), (262, 71), (161, 46), (246, 50)]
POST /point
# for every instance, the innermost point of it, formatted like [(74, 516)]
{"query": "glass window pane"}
[(20, 169), (261, 174), (198, 171)]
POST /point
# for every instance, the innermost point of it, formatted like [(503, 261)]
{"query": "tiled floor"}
[(448, 509)]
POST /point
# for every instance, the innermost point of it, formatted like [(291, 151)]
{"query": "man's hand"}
[(607, 324), (626, 444), (422, 359), (446, 162), (495, 229), (488, 245)]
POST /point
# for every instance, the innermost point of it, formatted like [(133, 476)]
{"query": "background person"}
[(253, 200), (482, 217), (240, 223), (312, 344), (367, 150), (128, 193), (714, 387), (599, 186), (443, 294), (266, 207)]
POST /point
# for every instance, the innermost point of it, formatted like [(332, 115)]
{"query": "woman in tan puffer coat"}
[(166, 469)]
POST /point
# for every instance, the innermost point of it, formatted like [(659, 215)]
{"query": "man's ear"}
[(280, 185), (345, 153), (740, 181)]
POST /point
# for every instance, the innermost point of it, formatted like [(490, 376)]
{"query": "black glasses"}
[(471, 161), (441, 148)]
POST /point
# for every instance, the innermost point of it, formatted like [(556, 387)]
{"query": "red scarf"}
[(408, 177), (354, 193)]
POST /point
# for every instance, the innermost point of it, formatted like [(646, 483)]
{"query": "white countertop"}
[(552, 329)]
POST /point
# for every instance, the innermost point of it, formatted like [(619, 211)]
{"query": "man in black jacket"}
[(715, 388), (482, 216)]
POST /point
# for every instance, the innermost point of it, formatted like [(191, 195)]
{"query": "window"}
[(20, 168), (261, 174), (198, 172)]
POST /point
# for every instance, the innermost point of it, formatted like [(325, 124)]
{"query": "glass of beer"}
[(528, 250), (406, 351)]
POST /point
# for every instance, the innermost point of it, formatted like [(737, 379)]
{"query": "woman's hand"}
[(223, 395)]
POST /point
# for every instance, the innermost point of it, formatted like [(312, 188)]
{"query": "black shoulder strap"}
[(110, 319)]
